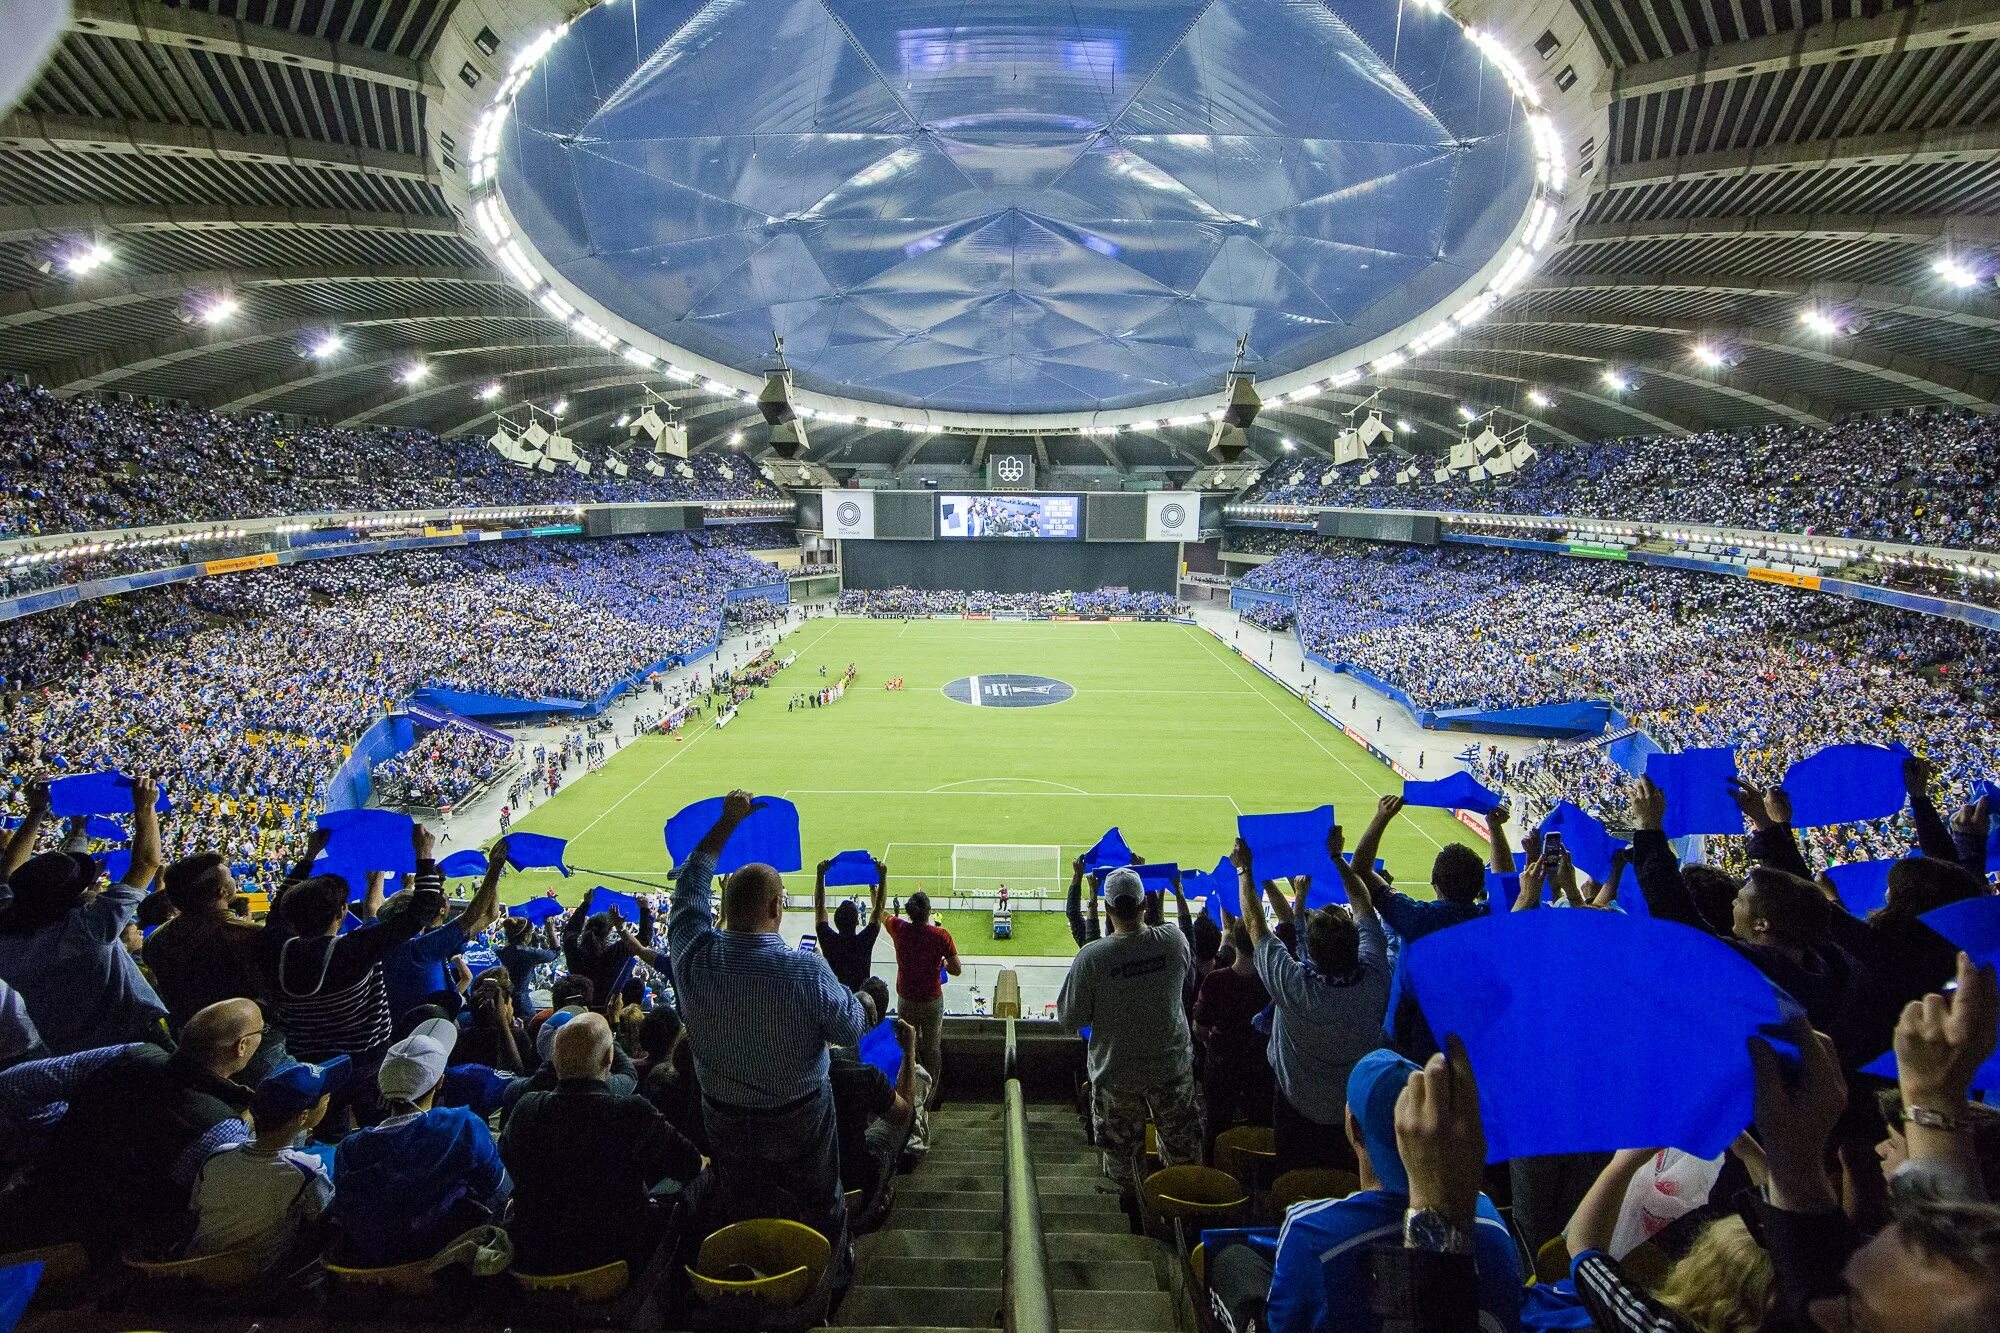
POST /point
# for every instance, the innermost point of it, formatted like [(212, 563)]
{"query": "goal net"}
[(981, 868)]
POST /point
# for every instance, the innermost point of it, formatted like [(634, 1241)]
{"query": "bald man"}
[(760, 1016), (123, 1159), (585, 1161)]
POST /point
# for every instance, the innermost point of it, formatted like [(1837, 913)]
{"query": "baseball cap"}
[(1372, 1090), (415, 1064), (1124, 882), (296, 1088)]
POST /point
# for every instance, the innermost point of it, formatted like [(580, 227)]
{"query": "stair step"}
[(1053, 1205), (913, 1217), (979, 1159), (895, 1243), (1144, 1312), (1100, 1275), (1047, 1182)]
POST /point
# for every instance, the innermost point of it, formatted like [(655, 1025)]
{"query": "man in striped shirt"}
[(760, 1016)]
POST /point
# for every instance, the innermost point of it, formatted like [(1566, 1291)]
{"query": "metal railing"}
[(1027, 1302)]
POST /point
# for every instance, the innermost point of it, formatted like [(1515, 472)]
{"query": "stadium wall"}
[(350, 787), (1010, 566)]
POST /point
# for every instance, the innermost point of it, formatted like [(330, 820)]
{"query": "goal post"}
[(978, 869)]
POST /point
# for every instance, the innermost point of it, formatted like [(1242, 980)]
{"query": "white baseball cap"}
[(416, 1064)]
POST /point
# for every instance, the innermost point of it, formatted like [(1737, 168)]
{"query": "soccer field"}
[(1167, 735)]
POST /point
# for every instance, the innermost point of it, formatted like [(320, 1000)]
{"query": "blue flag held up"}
[(370, 840), (1637, 997), (1158, 877), (769, 835), (1588, 842), (103, 828), (1290, 844), (1217, 885), (1108, 853), (537, 910), (879, 1047), (106, 793), (1460, 791), (463, 865), (1696, 785), (603, 900), (851, 868), (533, 851), (1863, 885), (1845, 783), (116, 862)]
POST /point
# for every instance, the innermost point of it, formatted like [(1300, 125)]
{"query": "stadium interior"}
[(1164, 666)]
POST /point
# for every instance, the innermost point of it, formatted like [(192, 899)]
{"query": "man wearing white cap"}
[(423, 1176), (1126, 988)]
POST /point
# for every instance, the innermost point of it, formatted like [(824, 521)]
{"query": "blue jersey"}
[(1321, 1282)]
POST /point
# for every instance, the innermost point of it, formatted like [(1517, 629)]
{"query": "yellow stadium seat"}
[(1312, 1182), (1198, 1262), (1243, 1149), (215, 1272), (411, 1279), (1193, 1192), (604, 1283), (1552, 1260), (788, 1261)]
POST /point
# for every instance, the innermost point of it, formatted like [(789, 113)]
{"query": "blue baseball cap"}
[(1372, 1090), (296, 1088)]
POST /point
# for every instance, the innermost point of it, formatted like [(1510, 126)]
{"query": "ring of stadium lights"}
[(1469, 303)]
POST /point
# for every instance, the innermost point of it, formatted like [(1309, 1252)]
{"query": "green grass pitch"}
[(1169, 736)]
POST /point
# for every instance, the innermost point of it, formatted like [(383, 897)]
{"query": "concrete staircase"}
[(939, 1262)]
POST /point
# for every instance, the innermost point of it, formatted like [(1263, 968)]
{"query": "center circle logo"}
[(848, 513), (1172, 515), (1008, 691), (1012, 469)]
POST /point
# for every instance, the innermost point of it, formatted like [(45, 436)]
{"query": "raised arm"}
[(1933, 838), (693, 911), (1596, 1218), (1653, 863), (879, 895), (145, 833), (22, 844), (1368, 845), (1607, 892), (1771, 838), (1499, 856), (1073, 903), (484, 909), (819, 894), (1941, 1042), (1359, 896), (1247, 896)]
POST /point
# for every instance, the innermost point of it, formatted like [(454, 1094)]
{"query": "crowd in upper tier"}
[(440, 770), (81, 464), (245, 689), (1922, 478), (1691, 659), (933, 601)]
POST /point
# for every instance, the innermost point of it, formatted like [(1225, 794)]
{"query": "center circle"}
[(1008, 691)]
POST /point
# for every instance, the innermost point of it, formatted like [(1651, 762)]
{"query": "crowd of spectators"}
[(245, 690), (82, 464), (932, 601), (1924, 478), (387, 1092), (1690, 659), (588, 1093), (440, 770)]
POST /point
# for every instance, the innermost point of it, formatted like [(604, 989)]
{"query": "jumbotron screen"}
[(999, 517)]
